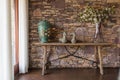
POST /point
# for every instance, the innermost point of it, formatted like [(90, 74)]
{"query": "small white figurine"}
[(73, 40), (63, 39)]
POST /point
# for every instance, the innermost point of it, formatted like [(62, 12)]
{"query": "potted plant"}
[(96, 15)]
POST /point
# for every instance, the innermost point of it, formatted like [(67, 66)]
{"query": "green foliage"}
[(96, 14)]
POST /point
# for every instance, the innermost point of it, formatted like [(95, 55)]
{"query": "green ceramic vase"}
[(43, 27)]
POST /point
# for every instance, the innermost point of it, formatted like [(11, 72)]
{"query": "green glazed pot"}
[(43, 27)]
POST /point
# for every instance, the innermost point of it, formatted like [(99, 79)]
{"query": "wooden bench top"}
[(73, 44)]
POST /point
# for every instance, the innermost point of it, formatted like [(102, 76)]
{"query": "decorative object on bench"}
[(73, 40), (63, 39), (96, 15), (43, 27)]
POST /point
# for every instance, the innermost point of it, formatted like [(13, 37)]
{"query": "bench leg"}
[(100, 60), (44, 60), (96, 55)]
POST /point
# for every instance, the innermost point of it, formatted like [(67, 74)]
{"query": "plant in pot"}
[(97, 16)]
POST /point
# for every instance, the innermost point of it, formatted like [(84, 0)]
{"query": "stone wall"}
[(63, 16)]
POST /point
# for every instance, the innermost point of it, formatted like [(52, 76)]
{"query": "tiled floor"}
[(71, 74)]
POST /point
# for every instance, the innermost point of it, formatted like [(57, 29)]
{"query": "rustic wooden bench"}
[(96, 45)]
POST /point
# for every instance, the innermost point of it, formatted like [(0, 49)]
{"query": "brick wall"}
[(62, 14)]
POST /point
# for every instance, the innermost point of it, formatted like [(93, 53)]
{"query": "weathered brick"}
[(65, 18)]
